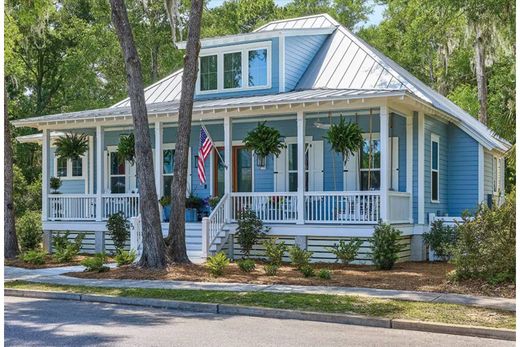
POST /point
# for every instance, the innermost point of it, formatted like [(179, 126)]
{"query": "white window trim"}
[(69, 169), (435, 138), (495, 173), (366, 136), (292, 141), (108, 175), (244, 50)]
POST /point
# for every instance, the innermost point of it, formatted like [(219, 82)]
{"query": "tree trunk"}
[(154, 254), (480, 71), (10, 240), (176, 235)]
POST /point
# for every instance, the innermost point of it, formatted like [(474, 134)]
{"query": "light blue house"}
[(428, 157)]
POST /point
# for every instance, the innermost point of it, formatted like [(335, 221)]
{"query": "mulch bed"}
[(419, 276), (49, 262)]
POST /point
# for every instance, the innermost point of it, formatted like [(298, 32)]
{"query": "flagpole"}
[(212, 143)]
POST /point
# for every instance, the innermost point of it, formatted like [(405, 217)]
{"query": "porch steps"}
[(193, 240)]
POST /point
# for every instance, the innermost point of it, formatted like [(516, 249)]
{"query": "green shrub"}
[(250, 229), (441, 239), (96, 263), (33, 257), (485, 246), (118, 228), (307, 271), (65, 250), (299, 257), (346, 251), (271, 269), (246, 265), (324, 274), (125, 257), (385, 246), (217, 263), (29, 231), (274, 251)]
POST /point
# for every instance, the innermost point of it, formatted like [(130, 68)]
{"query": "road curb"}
[(500, 334)]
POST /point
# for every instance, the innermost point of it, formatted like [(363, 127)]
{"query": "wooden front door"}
[(242, 174)]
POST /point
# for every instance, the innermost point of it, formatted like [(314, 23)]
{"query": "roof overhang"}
[(261, 35)]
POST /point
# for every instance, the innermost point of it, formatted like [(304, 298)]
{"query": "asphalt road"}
[(38, 322)]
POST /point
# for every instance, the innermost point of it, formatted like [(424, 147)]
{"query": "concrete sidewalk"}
[(55, 276)]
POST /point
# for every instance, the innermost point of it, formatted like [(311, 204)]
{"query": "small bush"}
[(307, 271), (385, 246), (271, 269), (485, 246), (250, 229), (441, 239), (324, 274), (246, 265), (96, 263), (125, 257), (346, 251), (118, 228), (217, 263), (33, 257), (274, 251), (299, 257), (65, 250), (29, 231)]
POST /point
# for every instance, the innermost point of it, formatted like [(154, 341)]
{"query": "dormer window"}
[(235, 68)]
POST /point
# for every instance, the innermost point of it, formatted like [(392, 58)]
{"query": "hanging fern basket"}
[(345, 138), (264, 141), (71, 146), (126, 148)]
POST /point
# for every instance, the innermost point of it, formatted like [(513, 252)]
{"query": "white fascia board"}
[(224, 40)]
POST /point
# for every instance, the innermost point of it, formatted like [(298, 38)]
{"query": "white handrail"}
[(212, 225), (270, 207)]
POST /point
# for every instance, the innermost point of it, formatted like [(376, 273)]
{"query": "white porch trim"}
[(45, 173), (481, 196), (100, 150), (300, 124), (385, 156), (420, 159)]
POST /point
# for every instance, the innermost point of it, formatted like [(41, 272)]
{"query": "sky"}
[(373, 19)]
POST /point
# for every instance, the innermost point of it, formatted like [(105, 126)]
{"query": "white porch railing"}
[(399, 207), (71, 207), (278, 207), (342, 207), (126, 203), (212, 225)]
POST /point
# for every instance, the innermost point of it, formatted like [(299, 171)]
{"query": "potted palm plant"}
[(71, 146), (264, 141)]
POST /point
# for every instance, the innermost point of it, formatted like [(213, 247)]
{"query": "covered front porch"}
[(306, 184)]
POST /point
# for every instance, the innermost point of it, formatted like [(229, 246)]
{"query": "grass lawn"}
[(420, 276), (420, 311)]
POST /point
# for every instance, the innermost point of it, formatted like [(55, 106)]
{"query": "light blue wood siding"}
[(299, 52), (275, 74), (462, 172), (434, 126)]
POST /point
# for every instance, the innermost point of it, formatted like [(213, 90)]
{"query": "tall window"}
[(61, 170), (117, 174), (495, 175), (77, 167), (208, 72), (233, 70), (168, 162), (243, 162), (257, 75), (292, 167), (370, 164), (435, 168)]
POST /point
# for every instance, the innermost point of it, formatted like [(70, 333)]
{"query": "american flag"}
[(205, 147)]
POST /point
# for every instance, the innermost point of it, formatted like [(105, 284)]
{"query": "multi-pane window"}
[(232, 70), (208, 72), (168, 163), (61, 169), (370, 164), (292, 167), (257, 75), (77, 167), (435, 168), (117, 174)]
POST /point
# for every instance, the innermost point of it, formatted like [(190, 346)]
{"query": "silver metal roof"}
[(318, 21)]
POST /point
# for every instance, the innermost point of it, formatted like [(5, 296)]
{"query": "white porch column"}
[(228, 177), (100, 161), (45, 173), (385, 156), (420, 168), (158, 158), (409, 162), (300, 125)]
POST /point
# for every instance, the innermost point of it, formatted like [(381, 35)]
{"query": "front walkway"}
[(55, 276)]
